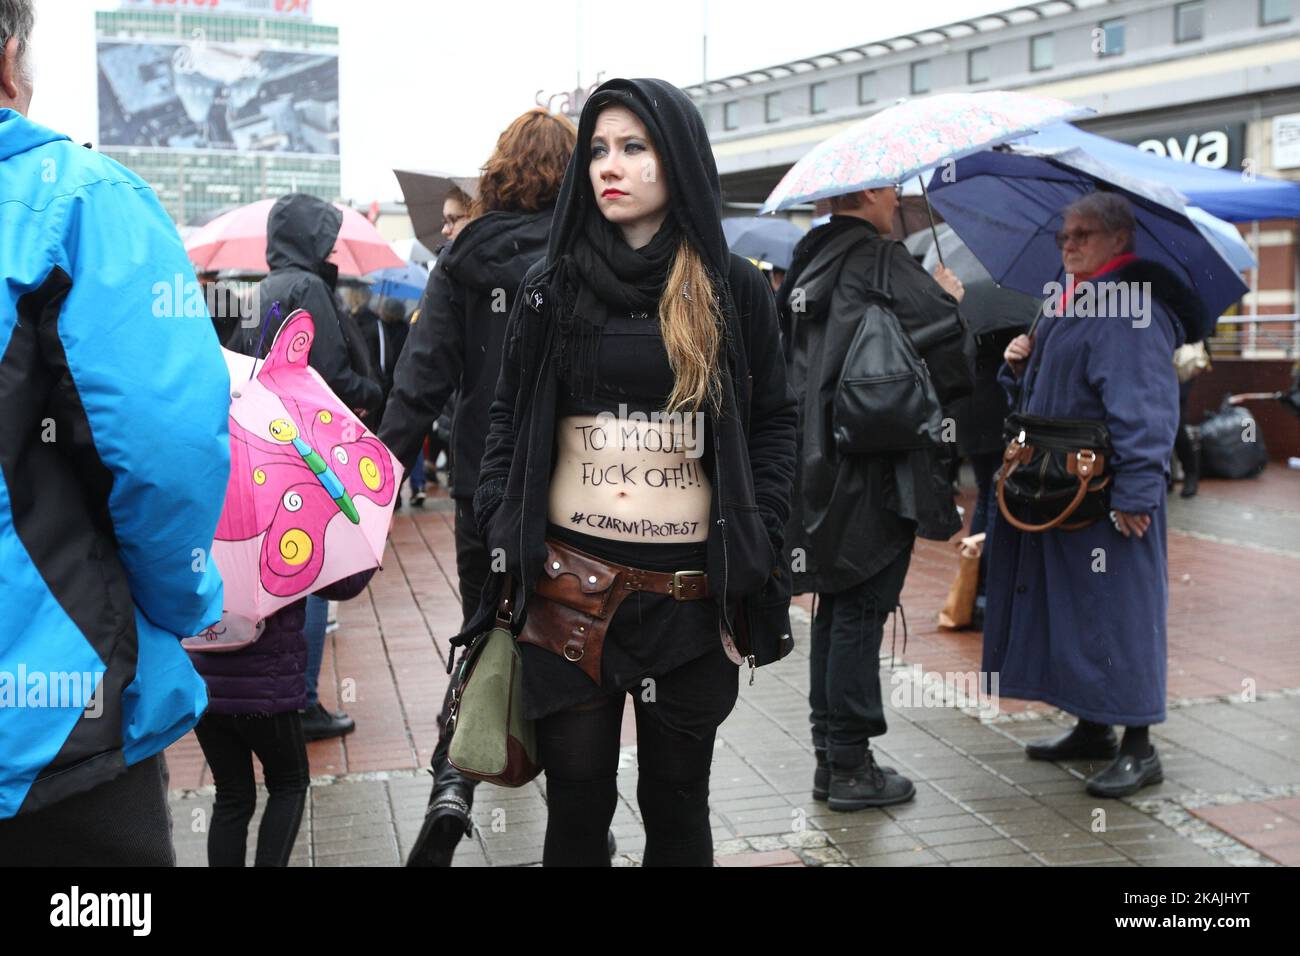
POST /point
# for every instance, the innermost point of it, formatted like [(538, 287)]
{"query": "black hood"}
[(815, 265), (682, 142), (496, 249), (1177, 297), (301, 232)]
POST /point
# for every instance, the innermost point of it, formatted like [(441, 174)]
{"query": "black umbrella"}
[(987, 306), (425, 193), (765, 238)]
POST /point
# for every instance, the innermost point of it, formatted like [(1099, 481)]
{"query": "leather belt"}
[(577, 594)]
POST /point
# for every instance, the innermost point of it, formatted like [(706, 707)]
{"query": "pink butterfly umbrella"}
[(311, 490)]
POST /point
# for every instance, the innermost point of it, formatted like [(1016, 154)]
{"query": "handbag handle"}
[(1083, 468)]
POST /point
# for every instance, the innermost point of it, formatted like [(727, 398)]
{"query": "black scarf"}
[(601, 275), (594, 273)]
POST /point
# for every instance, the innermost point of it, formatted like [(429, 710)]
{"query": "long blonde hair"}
[(691, 325)]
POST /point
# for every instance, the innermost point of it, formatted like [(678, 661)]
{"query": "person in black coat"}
[(854, 518), (639, 308), (300, 234), (455, 347)]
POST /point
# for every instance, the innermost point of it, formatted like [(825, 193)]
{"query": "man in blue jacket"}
[(114, 455)]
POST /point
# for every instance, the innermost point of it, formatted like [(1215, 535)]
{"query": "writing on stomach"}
[(630, 479)]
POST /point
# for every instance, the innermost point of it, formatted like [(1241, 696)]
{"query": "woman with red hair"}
[(455, 347)]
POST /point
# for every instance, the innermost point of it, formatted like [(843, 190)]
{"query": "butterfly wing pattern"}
[(306, 473)]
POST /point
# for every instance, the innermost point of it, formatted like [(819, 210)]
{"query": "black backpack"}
[(885, 400)]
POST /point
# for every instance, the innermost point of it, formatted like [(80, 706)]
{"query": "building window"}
[(772, 107), (1274, 11), (731, 115), (866, 88), (1112, 37), (921, 76), (1189, 21), (1041, 56), (817, 98), (977, 65)]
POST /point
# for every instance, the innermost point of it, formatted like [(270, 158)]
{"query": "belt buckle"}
[(675, 588)]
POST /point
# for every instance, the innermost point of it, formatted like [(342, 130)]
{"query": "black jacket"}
[(752, 435), (300, 234), (383, 361), (455, 345), (852, 515)]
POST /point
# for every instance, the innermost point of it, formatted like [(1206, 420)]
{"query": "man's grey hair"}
[(1112, 212), (17, 18)]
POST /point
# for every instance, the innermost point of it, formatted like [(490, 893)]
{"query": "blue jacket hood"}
[(18, 134)]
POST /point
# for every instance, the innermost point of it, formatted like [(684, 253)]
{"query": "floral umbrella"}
[(911, 137), (311, 490)]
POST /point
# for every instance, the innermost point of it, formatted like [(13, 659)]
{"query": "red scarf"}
[(1071, 281)]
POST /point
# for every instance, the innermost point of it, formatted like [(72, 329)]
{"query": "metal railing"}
[(1257, 336)]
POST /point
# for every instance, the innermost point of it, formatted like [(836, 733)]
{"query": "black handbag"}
[(1054, 472), (884, 400)]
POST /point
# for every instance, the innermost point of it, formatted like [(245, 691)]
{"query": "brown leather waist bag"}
[(577, 594)]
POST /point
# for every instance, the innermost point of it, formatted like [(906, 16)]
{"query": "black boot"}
[(321, 724), (1192, 471), (1128, 774), (1087, 741), (858, 782), (822, 776), (447, 819)]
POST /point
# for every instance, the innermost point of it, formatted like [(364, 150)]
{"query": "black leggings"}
[(229, 743), (579, 749)]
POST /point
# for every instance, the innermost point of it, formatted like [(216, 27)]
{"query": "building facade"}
[(1215, 82), (218, 103)]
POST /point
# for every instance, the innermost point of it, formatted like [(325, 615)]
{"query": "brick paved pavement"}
[(1232, 766)]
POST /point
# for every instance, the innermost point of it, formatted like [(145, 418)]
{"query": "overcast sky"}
[(432, 84)]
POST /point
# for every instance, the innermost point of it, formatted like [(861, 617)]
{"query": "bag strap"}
[(1084, 469), (880, 277)]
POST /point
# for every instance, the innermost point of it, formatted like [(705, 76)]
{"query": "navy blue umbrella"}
[(765, 238), (400, 282), (1007, 204)]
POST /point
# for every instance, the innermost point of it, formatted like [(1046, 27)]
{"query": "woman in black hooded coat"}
[(579, 340)]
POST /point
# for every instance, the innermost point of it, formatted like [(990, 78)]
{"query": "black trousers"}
[(473, 562), (844, 687), (229, 743), (579, 749), (124, 822), (1184, 447)]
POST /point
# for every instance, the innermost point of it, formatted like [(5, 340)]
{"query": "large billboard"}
[(226, 96)]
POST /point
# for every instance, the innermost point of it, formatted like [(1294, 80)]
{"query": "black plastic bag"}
[(1231, 446)]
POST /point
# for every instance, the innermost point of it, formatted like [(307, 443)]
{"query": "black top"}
[(632, 369)]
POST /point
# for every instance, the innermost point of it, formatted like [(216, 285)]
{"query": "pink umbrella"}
[(237, 240), (311, 490)]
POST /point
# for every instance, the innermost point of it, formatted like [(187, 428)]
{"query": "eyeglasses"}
[(1079, 237)]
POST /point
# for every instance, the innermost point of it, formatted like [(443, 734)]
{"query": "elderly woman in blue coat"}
[(1076, 618)]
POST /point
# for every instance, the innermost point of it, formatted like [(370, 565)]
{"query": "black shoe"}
[(1075, 746), (858, 782), (1191, 485), (319, 724), (822, 776), (417, 500), (446, 821), (1127, 775)]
